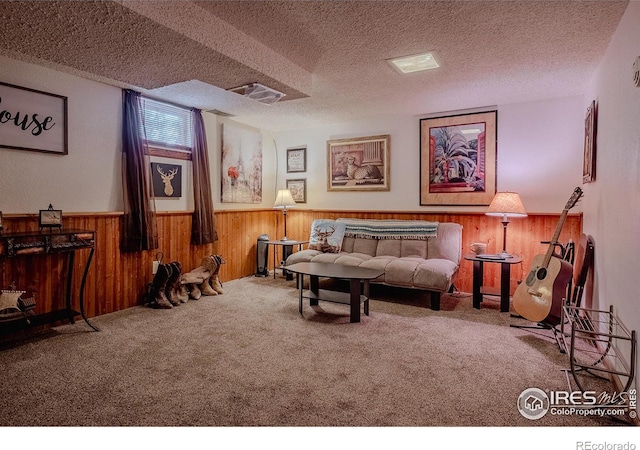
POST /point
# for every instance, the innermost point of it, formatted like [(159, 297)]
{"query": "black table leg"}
[(354, 289), (82, 285), (505, 276), (69, 311), (314, 288), (365, 290), (300, 282), (478, 275)]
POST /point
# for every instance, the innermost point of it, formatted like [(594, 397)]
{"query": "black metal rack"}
[(607, 346)]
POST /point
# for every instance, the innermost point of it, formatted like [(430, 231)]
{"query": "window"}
[(168, 129)]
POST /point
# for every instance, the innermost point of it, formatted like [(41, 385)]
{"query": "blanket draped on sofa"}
[(389, 229)]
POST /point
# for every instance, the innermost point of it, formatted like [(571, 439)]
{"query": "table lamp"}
[(284, 200), (506, 204)]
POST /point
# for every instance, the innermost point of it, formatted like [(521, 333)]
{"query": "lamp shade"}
[(506, 204), (284, 199)]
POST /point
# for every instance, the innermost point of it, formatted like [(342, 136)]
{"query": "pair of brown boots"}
[(205, 280), (166, 290)]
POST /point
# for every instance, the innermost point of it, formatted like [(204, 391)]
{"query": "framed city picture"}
[(358, 164), (458, 159)]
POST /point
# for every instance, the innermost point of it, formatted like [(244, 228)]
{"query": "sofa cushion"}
[(302, 256), (366, 246), (434, 274), (326, 236), (413, 248), (389, 247), (325, 257), (448, 245), (347, 244), (379, 263), (352, 259), (399, 272)]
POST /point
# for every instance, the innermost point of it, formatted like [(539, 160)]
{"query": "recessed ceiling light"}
[(414, 63)]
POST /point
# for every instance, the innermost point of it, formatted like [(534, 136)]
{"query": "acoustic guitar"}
[(539, 298)]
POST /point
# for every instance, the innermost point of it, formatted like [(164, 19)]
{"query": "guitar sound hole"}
[(541, 274)]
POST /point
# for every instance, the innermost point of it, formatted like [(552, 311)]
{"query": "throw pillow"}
[(326, 236), (9, 300)]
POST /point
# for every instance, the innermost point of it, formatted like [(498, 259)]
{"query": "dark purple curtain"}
[(139, 230), (203, 228)]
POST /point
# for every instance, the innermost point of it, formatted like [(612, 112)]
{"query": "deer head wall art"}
[(167, 180)]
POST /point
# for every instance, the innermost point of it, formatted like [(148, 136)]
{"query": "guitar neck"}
[(554, 239)]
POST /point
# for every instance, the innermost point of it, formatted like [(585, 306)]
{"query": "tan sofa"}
[(428, 263)]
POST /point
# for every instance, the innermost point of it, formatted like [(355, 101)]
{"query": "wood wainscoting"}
[(118, 280)]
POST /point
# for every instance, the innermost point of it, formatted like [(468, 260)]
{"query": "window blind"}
[(166, 125)]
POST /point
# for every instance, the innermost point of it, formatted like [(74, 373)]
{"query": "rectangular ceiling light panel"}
[(415, 63)]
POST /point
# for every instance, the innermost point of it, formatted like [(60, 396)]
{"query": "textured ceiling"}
[(329, 57)]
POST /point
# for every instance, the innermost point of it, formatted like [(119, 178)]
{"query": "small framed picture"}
[(297, 159), (589, 165), (50, 218), (298, 189)]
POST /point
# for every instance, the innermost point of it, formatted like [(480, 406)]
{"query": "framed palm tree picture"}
[(458, 159)]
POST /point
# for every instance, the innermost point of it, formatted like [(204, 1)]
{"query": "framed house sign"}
[(297, 159), (358, 164), (458, 159), (32, 120), (589, 165)]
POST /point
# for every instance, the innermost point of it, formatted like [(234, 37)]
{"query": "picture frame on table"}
[(50, 218), (296, 159), (298, 189), (458, 159)]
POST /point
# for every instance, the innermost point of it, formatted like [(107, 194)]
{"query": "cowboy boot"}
[(214, 280), (183, 293), (158, 287), (194, 292), (206, 288), (173, 284), (208, 264)]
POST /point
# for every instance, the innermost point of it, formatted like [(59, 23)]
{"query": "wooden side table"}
[(287, 249), (478, 279)]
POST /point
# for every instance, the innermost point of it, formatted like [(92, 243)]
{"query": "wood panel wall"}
[(118, 280)]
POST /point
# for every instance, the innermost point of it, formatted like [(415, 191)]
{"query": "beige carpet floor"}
[(248, 358)]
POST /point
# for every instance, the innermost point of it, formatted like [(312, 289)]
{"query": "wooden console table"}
[(28, 243)]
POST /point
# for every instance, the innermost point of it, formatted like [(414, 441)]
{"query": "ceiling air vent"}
[(217, 112), (259, 92)]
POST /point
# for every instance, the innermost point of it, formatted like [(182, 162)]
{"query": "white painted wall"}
[(539, 155), (612, 202), (81, 181), (89, 178)]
